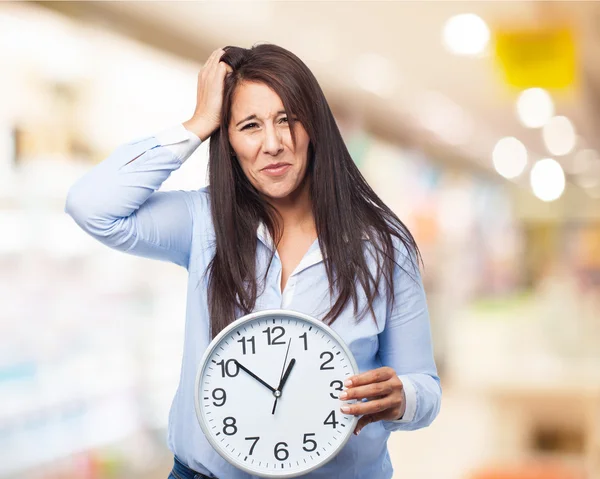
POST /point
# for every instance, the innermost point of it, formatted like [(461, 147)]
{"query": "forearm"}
[(116, 187), (119, 185)]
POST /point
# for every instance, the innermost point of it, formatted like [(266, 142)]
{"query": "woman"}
[(287, 222)]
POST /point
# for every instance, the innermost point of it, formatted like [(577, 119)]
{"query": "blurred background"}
[(477, 122)]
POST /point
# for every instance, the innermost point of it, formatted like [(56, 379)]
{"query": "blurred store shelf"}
[(90, 339)]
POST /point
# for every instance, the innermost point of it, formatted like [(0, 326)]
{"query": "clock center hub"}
[(277, 394)]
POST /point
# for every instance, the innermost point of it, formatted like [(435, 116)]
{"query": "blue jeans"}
[(181, 471)]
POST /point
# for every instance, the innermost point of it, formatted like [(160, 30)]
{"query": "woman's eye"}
[(249, 125), (283, 120)]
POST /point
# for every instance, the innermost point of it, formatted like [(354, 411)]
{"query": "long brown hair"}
[(343, 204)]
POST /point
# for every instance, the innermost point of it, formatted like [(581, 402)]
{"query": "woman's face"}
[(260, 137)]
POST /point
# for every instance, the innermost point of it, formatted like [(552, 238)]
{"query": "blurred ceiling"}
[(334, 38)]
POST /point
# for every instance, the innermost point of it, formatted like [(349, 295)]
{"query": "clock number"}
[(274, 339), (305, 337), (333, 422), (339, 388), (323, 366), (255, 439), (229, 423), (223, 397), (278, 451), (243, 341), (306, 441), (225, 369)]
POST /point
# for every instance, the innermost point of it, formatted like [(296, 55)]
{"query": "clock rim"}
[(238, 323)]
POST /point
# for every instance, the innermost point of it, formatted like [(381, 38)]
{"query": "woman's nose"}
[(272, 143)]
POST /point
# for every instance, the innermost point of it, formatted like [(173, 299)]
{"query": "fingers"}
[(215, 64), (365, 420), (369, 407), (370, 391), (383, 392), (226, 67), (369, 377), (211, 66), (381, 382), (214, 57), (209, 96), (208, 65), (213, 61)]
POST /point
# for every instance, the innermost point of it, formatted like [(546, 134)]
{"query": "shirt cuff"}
[(179, 140), (411, 400)]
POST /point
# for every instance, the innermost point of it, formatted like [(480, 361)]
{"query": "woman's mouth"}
[(276, 169)]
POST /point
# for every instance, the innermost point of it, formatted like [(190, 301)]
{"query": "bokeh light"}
[(547, 179), (535, 107), (559, 135), (509, 157), (465, 34)]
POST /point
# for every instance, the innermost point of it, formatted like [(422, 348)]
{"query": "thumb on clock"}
[(368, 419)]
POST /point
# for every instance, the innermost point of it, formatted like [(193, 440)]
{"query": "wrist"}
[(200, 127)]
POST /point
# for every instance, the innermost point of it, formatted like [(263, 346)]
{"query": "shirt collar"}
[(262, 232), (312, 257)]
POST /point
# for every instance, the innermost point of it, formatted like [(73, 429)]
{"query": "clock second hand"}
[(283, 373)]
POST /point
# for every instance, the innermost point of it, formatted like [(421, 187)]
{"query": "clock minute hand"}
[(285, 361), (284, 378), (278, 392), (241, 366)]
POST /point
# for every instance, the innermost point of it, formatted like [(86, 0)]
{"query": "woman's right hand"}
[(209, 96)]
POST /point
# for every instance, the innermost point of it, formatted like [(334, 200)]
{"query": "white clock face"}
[(267, 393)]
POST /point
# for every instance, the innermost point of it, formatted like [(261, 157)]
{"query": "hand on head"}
[(209, 96)]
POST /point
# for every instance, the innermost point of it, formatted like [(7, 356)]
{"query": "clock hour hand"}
[(286, 375), (244, 368), (282, 383)]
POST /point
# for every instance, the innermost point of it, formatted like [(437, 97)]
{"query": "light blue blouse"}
[(117, 202)]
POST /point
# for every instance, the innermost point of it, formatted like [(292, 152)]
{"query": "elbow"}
[(80, 206), (71, 201), (74, 204)]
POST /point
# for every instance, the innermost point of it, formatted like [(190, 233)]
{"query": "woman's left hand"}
[(384, 392)]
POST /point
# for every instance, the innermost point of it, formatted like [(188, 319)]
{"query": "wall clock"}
[(267, 393)]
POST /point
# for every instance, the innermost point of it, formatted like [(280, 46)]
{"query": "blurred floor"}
[(456, 442)]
